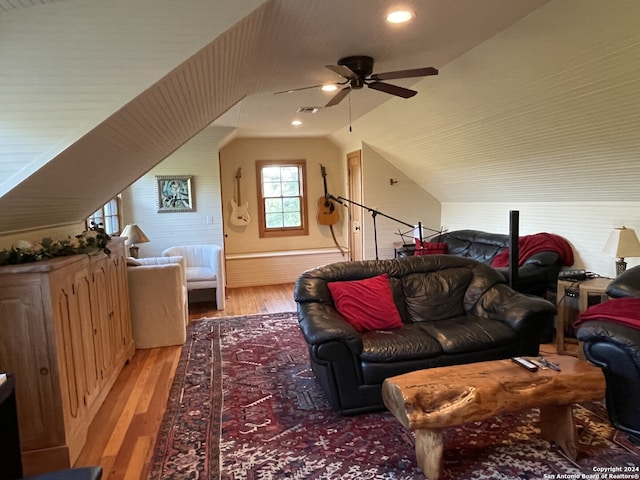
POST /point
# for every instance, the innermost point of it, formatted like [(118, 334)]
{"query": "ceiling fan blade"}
[(416, 72), (343, 71), (392, 89), (338, 97), (297, 89)]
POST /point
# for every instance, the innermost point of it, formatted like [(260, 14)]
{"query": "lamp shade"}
[(623, 242), (134, 234)]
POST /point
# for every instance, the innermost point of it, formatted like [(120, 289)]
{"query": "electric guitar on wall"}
[(327, 212), (239, 213)]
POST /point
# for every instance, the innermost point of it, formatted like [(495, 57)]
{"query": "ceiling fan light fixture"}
[(329, 88), (400, 16), (296, 123)]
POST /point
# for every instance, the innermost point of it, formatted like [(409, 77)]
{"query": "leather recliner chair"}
[(615, 347)]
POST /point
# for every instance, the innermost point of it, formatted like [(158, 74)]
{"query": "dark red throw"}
[(539, 242), (618, 310)]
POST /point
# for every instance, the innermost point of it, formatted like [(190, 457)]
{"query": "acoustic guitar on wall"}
[(327, 212), (239, 212)]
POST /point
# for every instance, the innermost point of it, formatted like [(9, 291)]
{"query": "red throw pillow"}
[(430, 248), (366, 304)]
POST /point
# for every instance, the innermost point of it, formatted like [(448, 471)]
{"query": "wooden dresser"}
[(65, 331)]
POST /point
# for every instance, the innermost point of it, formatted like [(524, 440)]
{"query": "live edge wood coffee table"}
[(427, 401)]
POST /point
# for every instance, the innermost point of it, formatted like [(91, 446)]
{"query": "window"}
[(282, 206), (108, 216)]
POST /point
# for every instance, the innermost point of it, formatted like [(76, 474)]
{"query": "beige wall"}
[(243, 153), (404, 200)]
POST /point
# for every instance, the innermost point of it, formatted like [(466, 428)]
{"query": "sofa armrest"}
[(521, 312), (321, 323), (627, 284), (623, 337)]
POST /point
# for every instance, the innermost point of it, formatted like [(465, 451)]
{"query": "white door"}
[(354, 162)]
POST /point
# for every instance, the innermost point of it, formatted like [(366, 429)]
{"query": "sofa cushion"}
[(198, 274), (366, 304), (406, 343), (436, 295), (467, 333)]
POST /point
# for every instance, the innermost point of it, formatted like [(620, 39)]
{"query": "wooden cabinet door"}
[(25, 346), (89, 341), (103, 314)]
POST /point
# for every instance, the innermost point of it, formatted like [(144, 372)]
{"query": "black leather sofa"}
[(535, 275), (483, 320), (615, 347)]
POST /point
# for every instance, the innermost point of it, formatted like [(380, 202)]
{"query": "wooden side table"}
[(573, 298)]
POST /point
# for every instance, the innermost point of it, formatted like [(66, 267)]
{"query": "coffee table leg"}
[(429, 449), (556, 425)]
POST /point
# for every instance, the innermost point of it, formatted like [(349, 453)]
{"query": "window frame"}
[(265, 232)]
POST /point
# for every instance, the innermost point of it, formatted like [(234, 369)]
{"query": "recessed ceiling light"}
[(296, 123), (329, 88), (400, 16)]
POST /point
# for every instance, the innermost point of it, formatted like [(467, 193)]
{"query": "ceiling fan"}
[(357, 71)]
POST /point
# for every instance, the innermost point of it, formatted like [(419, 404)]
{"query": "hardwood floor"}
[(122, 436)]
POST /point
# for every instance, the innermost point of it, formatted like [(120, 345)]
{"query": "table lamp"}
[(134, 235), (623, 242)]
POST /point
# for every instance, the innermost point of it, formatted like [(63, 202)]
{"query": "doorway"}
[(354, 165)]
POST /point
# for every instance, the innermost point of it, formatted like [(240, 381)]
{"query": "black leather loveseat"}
[(541, 256), (453, 310), (611, 335)]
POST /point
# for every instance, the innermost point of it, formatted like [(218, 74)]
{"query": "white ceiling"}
[(304, 36)]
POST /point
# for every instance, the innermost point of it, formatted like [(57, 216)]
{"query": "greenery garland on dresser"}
[(89, 242)]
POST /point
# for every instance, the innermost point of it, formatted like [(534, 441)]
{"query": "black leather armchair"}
[(615, 347)]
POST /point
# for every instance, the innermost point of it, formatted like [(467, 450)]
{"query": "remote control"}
[(524, 363)]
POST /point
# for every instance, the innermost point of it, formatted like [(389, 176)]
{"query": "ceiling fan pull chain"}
[(350, 114)]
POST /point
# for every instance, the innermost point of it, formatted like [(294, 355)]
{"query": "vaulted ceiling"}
[(95, 93)]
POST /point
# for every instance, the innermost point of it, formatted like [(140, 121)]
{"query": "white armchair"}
[(158, 300), (204, 268)]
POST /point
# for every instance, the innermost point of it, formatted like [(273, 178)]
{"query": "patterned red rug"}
[(245, 405)]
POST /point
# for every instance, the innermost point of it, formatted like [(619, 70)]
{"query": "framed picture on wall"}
[(175, 193)]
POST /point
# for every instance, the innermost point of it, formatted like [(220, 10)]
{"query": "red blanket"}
[(618, 310), (539, 242)]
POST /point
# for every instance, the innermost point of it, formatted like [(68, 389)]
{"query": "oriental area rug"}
[(245, 405)]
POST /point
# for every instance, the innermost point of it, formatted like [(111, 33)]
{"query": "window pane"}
[(271, 189), (273, 205), (289, 174), (274, 220), (271, 174), (292, 219), (291, 204), (290, 189), (112, 225)]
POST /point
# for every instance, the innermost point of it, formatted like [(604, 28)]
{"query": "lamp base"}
[(621, 266), (133, 251)]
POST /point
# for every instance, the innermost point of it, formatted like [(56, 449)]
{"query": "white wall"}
[(404, 201), (585, 225), (197, 157)]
